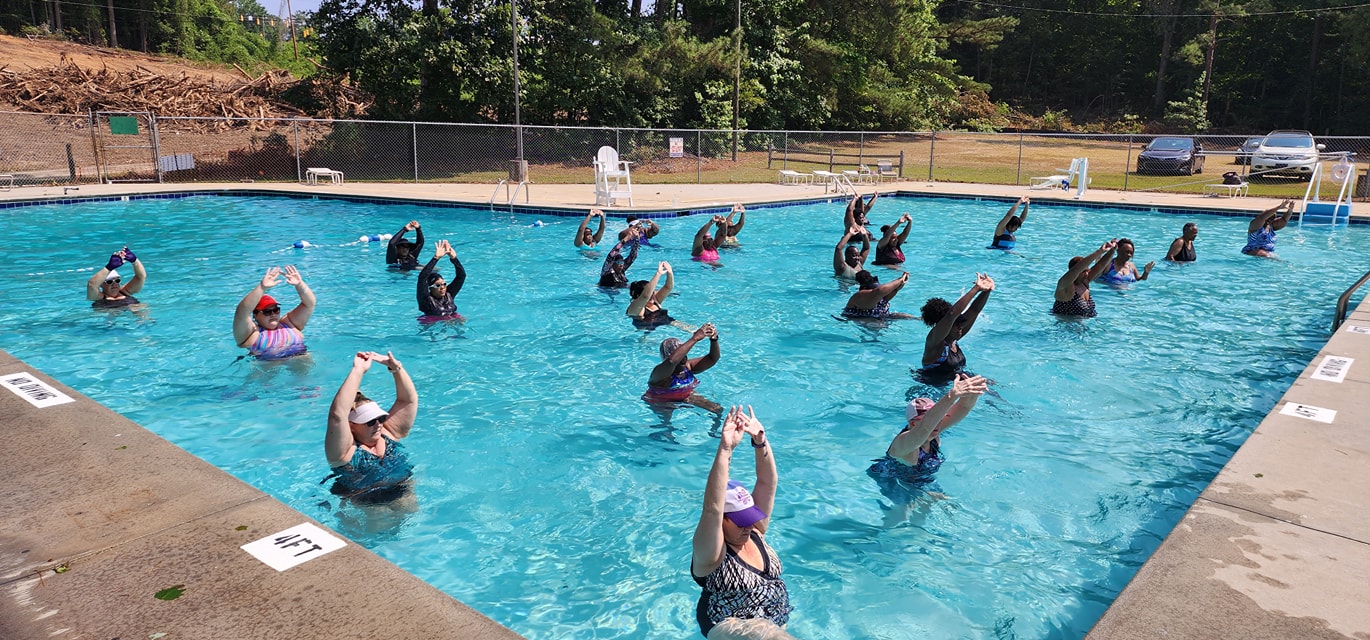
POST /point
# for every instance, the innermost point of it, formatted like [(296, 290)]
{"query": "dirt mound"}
[(57, 77)]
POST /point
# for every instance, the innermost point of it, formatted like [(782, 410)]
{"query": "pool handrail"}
[(1339, 316)]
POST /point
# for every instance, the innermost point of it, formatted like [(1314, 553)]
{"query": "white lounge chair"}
[(612, 179), (790, 176), (1077, 174)]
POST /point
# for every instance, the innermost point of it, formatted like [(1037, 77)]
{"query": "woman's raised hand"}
[(362, 360), (983, 282), (292, 276), (968, 385), (750, 425), (733, 430), (709, 330), (662, 267), (272, 277)]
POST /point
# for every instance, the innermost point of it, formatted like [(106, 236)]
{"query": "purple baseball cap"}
[(739, 506)]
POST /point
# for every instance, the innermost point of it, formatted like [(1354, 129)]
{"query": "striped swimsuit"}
[(738, 590), (273, 344)]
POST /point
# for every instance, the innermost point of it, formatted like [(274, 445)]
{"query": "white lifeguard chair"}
[(612, 180), (1077, 174), (1315, 210)]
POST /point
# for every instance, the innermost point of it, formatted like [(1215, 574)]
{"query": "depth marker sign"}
[(1332, 368), (39, 394), (296, 545)]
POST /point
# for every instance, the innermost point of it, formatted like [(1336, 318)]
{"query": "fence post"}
[(295, 125), (156, 146), (830, 165), (95, 148), (861, 151), (770, 151), (414, 135), (1129, 161), (699, 157), (932, 148), (1018, 179), (616, 141), (901, 164)]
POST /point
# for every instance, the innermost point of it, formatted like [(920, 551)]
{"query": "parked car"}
[(1286, 152), (1248, 149), (1171, 155)]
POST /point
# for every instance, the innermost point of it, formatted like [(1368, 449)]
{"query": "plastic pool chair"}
[(612, 179)]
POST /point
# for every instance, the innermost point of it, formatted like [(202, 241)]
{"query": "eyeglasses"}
[(377, 421), (115, 280), (270, 311), (437, 285)]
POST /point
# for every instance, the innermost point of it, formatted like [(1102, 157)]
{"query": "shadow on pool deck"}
[(101, 515)]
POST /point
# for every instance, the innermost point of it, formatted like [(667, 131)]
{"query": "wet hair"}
[(884, 228), (1125, 241), (1013, 223), (866, 279), (1189, 226), (636, 288), (359, 400), (1074, 261), (934, 310)]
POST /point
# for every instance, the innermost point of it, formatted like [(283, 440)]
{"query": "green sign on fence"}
[(123, 125)]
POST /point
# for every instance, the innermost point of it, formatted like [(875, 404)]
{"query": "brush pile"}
[(73, 89)]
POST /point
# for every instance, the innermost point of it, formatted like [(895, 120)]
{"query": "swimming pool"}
[(553, 500)]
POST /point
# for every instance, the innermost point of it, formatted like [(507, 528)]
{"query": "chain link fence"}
[(56, 149)]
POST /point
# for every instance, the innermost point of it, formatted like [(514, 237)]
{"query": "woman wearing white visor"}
[(362, 443)]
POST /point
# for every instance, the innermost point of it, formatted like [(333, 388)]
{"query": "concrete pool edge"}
[(664, 200), (112, 531), (1278, 545)]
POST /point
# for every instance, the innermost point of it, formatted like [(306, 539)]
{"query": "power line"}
[(993, 5)]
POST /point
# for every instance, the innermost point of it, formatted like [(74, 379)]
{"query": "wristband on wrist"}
[(760, 446)]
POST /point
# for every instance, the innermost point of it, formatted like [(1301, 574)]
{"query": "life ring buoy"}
[(1342, 170)]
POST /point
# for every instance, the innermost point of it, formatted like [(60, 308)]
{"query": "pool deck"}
[(104, 515)]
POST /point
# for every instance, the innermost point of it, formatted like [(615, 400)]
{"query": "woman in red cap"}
[(258, 325), (739, 573)]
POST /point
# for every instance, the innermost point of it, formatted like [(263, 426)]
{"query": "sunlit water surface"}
[(552, 499)]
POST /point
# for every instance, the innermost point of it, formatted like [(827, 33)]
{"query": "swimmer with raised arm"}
[(363, 440), (436, 296), (645, 308), (673, 380), (614, 272), (857, 214), (1260, 234), (1072, 289), (402, 254), (1121, 270), (846, 259), (739, 574), (1009, 224), (889, 251), (872, 300), (1182, 249), (258, 325), (104, 288), (585, 239), (728, 230), (915, 454), (942, 355), (705, 247)]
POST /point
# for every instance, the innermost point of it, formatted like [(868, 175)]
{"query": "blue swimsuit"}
[(1006, 242), (1260, 240), (903, 483), (1113, 277), (371, 478)]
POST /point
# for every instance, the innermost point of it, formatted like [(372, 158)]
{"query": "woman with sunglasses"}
[(362, 443), (258, 325), (435, 295), (738, 572), (104, 289)]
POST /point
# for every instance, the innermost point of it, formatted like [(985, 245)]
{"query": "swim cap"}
[(917, 407), (366, 412), (265, 302), (112, 275), (668, 346), (739, 506)]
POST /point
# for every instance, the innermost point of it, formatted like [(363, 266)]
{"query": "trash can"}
[(1362, 189), (518, 170)]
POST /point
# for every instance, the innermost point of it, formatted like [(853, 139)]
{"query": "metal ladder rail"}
[(1313, 190), (520, 187), (1339, 316), (844, 185), (502, 183)]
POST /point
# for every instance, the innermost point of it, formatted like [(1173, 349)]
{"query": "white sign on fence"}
[(677, 147)]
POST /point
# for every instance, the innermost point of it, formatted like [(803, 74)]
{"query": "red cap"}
[(265, 302)]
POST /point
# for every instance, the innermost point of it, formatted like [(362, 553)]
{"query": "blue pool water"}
[(553, 500)]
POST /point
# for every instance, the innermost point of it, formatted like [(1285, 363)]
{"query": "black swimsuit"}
[(652, 319), (1186, 253), (104, 303)]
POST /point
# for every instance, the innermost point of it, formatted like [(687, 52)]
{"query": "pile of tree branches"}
[(73, 89)]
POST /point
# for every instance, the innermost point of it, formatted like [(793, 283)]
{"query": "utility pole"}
[(518, 125), (295, 42), (737, 71)]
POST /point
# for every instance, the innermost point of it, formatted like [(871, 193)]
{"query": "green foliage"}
[(1190, 114)]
